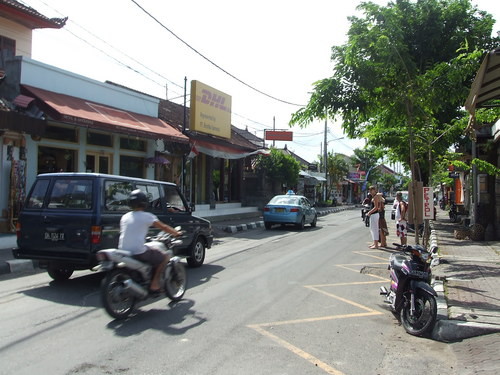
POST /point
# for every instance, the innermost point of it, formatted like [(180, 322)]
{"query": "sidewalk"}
[(468, 284)]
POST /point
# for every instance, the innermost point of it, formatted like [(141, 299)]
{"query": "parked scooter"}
[(128, 279), (453, 212), (411, 296)]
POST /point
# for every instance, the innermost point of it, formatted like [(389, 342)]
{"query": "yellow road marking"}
[(318, 319), (346, 284), (308, 357), (260, 328)]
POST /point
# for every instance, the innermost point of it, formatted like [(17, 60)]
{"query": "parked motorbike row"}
[(128, 279)]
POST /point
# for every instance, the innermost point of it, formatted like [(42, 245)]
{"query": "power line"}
[(211, 62)]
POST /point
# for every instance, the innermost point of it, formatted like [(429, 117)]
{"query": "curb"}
[(446, 329), (242, 227), (260, 224), (17, 265)]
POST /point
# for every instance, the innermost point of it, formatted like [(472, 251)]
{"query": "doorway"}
[(98, 163)]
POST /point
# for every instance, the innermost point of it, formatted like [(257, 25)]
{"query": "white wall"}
[(47, 77), (21, 34)]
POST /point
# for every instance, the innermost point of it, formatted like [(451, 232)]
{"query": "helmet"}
[(137, 199)]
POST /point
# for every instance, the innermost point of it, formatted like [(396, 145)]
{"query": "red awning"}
[(222, 151), (23, 101), (85, 113)]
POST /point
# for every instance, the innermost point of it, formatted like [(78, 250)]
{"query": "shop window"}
[(60, 133), (132, 166), (99, 139), (132, 144), (51, 159)]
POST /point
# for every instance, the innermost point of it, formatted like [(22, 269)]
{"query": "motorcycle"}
[(128, 279), (410, 295)]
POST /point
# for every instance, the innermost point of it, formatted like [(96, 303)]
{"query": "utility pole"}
[(325, 163)]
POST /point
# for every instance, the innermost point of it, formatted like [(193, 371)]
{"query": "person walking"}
[(401, 215), (374, 215)]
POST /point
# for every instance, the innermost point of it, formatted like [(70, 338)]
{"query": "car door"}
[(178, 213), (306, 206), (61, 228)]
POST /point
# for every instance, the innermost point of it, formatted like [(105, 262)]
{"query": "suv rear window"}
[(71, 194), (38, 194)]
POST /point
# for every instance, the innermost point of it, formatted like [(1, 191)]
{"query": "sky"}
[(265, 54)]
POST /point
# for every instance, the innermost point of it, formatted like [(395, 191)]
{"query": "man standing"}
[(401, 215)]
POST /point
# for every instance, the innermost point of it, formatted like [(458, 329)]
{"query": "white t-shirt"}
[(134, 226), (398, 211)]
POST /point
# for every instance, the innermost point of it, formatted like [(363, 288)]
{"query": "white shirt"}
[(134, 226), (398, 211)]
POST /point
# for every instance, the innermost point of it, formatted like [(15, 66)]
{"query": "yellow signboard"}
[(210, 110)]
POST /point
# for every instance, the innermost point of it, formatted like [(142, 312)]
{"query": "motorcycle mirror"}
[(178, 228)]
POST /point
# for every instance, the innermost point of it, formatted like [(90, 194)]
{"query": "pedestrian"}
[(401, 218), (374, 215), (384, 231)]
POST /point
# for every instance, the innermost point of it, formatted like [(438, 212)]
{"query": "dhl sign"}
[(210, 110)]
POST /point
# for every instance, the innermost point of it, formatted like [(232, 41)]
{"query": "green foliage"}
[(388, 182), (337, 170), (403, 75), (278, 168)]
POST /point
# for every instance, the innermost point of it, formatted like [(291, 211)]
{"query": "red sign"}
[(278, 135), (428, 202)]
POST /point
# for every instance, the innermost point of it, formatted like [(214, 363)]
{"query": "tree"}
[(337, 170), (278, 168), (403, 75), (388, 182)]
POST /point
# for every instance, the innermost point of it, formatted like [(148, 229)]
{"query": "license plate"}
[(54, 236), (279, 210)]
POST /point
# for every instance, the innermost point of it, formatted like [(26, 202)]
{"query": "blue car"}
[(289, 209)]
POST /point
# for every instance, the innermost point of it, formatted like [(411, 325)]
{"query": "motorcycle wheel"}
[(117, 302), (424, 317), (175, 283), (453, 217)]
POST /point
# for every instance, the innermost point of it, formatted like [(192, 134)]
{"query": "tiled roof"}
[(28, 16)]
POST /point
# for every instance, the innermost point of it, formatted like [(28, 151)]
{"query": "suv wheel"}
[(60, 274), (197, 253)]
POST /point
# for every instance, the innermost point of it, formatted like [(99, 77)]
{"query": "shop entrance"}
[(98, 163)]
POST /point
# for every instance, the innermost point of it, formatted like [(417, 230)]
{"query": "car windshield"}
[(285, 199)]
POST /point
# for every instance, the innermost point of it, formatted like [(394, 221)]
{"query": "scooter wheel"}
[(176, 281), (116, 300), (453, 217), (424, 317)]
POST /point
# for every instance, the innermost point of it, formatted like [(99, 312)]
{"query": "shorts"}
[(402, 229), (153, 256)]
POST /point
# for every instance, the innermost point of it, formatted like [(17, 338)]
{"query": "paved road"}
[(266, 302)]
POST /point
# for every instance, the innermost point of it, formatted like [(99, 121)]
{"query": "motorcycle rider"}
[(134, 226)]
